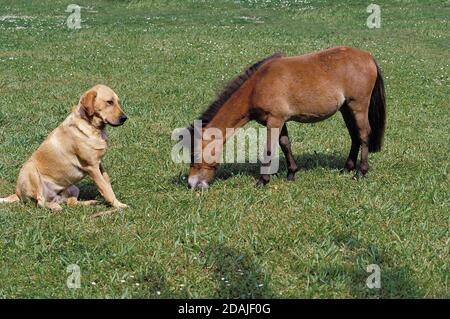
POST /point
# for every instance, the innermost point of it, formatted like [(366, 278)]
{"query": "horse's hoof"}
[(359, 175), (260, 184), (349, 166), (291, 177), (347, 169)]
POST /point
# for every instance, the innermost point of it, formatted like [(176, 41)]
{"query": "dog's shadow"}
[(88, 190), (305, 162)]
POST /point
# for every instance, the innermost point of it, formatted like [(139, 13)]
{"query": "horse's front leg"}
[(270, 163), (285, 144)]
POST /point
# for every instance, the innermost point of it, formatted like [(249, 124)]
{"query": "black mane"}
[(231, 88)]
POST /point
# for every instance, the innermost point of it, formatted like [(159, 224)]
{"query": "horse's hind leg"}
[(285, 145), (350, 122), (361, 113)]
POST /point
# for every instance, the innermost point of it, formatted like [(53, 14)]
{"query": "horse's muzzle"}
[(195, 182)]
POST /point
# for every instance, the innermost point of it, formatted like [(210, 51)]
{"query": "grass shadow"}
[(238, 274), (396, 280), (154, 281)]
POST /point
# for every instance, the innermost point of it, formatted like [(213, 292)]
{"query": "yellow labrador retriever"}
[(72, 151)]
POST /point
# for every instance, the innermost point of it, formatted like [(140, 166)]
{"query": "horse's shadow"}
[(305, 162)]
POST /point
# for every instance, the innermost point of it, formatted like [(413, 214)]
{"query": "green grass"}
[(166, 59)]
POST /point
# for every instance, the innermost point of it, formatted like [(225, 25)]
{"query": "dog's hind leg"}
[(71, 194), (31, 186), (53, 206), (72, 201)]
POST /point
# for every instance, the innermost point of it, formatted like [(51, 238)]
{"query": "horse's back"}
[(338, 64), (313, 86)]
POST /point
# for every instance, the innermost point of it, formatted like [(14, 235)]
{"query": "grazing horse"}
[(307, 88)]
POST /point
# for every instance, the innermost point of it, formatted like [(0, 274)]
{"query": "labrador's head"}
[(101, 106)]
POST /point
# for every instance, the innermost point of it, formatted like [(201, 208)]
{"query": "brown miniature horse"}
[(306, 88)]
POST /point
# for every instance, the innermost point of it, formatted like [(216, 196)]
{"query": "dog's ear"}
[(87, 102)]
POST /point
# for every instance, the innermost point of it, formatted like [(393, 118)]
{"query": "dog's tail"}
[(10, 199)]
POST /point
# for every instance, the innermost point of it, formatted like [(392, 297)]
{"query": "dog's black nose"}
[(123, 118)]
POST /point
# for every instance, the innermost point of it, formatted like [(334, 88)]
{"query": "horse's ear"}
[(87, 102)]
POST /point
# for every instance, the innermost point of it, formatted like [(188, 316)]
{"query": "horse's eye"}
[(110, 102)]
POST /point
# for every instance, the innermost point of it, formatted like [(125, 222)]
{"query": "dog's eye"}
[(110, 102)]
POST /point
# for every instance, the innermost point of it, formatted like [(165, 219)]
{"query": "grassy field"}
[(167, 59)]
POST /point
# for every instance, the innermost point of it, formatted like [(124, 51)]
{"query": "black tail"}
[(377, 114)]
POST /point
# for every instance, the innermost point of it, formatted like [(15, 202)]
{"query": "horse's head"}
[(203, 164)]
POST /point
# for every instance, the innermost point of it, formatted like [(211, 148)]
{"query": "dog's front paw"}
[(120, 205)]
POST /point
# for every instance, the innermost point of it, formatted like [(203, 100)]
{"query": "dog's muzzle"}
[(123, 118), (120, 121)]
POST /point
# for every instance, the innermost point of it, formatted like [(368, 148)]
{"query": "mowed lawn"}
[(167, 59)]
